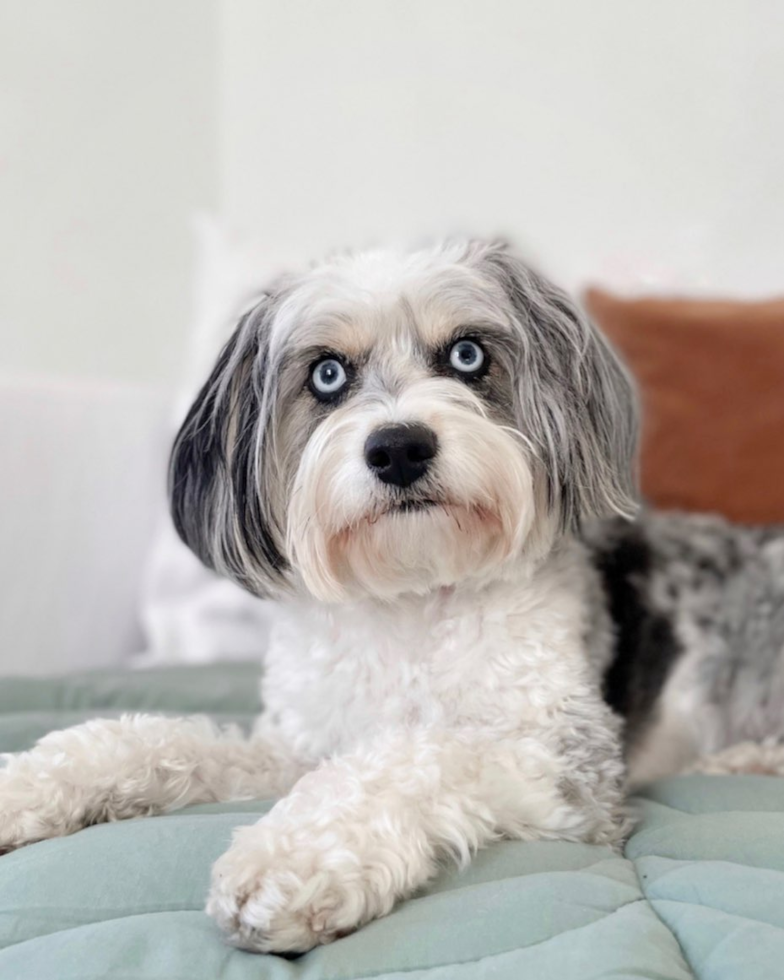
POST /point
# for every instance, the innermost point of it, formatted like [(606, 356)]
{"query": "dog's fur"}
[(453, 657)]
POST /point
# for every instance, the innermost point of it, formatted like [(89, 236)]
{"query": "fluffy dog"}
[(429, 458)]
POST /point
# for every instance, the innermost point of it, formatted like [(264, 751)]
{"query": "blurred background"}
[(160, 159)]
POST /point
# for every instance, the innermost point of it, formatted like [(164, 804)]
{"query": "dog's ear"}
[(219, 487), (575, 401)]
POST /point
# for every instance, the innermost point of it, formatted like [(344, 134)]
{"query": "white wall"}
[(629, 141), (107, 144), (618, 140)]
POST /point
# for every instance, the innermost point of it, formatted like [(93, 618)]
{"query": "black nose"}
[(400, 454)]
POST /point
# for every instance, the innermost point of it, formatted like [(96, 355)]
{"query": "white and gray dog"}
[(429, 457)]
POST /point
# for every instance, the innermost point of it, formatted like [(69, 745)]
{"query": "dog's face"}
[(393, 423)]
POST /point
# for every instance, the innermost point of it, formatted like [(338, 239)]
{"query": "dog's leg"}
[(135, 766), (365, 830), (764, 758)]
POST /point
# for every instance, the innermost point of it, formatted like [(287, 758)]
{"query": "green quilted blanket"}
[(699, 893)]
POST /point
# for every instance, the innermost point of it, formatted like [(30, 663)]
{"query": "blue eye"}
[(328, 379), (467, 357)]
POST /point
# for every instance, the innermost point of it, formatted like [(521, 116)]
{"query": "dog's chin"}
[(411, 546)]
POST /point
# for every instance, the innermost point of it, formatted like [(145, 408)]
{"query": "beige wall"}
[(107, 144)]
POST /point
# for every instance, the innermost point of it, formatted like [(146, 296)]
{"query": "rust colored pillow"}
[(711, 377)]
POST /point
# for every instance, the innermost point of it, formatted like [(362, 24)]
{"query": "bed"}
[(698, 893)]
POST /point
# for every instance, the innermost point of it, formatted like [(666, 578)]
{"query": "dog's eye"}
[(467, 357), (328, 379)]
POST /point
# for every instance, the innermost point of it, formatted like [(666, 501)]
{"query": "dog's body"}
[(421, 456), (679, 620), (698, 665)]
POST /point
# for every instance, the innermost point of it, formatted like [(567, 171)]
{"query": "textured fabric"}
[(700, 892), (31, 707), (711, 376)]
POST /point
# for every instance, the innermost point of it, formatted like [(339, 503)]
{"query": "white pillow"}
[(188, 613)]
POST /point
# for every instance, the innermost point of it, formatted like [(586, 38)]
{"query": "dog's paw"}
[(273, 891), (764, 758), (30, 810)]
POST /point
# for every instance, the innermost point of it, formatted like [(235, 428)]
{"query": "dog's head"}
[(391, 423)]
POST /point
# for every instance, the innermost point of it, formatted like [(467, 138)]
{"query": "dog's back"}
[(697, 605)]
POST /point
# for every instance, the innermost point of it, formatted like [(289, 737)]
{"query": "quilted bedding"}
[(699, 892)]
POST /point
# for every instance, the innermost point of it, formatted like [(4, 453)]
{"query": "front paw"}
[(275, 891), (29, 811)]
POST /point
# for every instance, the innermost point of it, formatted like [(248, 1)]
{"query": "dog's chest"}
[(500, 659)]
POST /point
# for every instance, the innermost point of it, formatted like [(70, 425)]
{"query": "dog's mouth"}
[(409, 506), (406, 506), (414, 506)]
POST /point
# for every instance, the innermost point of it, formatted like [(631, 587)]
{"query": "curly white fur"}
[(765, 758), (442, 723)]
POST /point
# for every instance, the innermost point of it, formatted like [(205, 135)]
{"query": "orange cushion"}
[(711, 376)]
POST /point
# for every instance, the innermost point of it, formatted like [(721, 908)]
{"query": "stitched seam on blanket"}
[(706, 860), (649, 902), (516, 876), (689, 862), (501, 952), (715, 908), (367, 976), (75, 927)]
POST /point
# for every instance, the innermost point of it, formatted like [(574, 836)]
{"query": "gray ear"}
[(216, 473), (575, 400)]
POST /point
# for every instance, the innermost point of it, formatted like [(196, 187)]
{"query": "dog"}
[(428, 459)]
